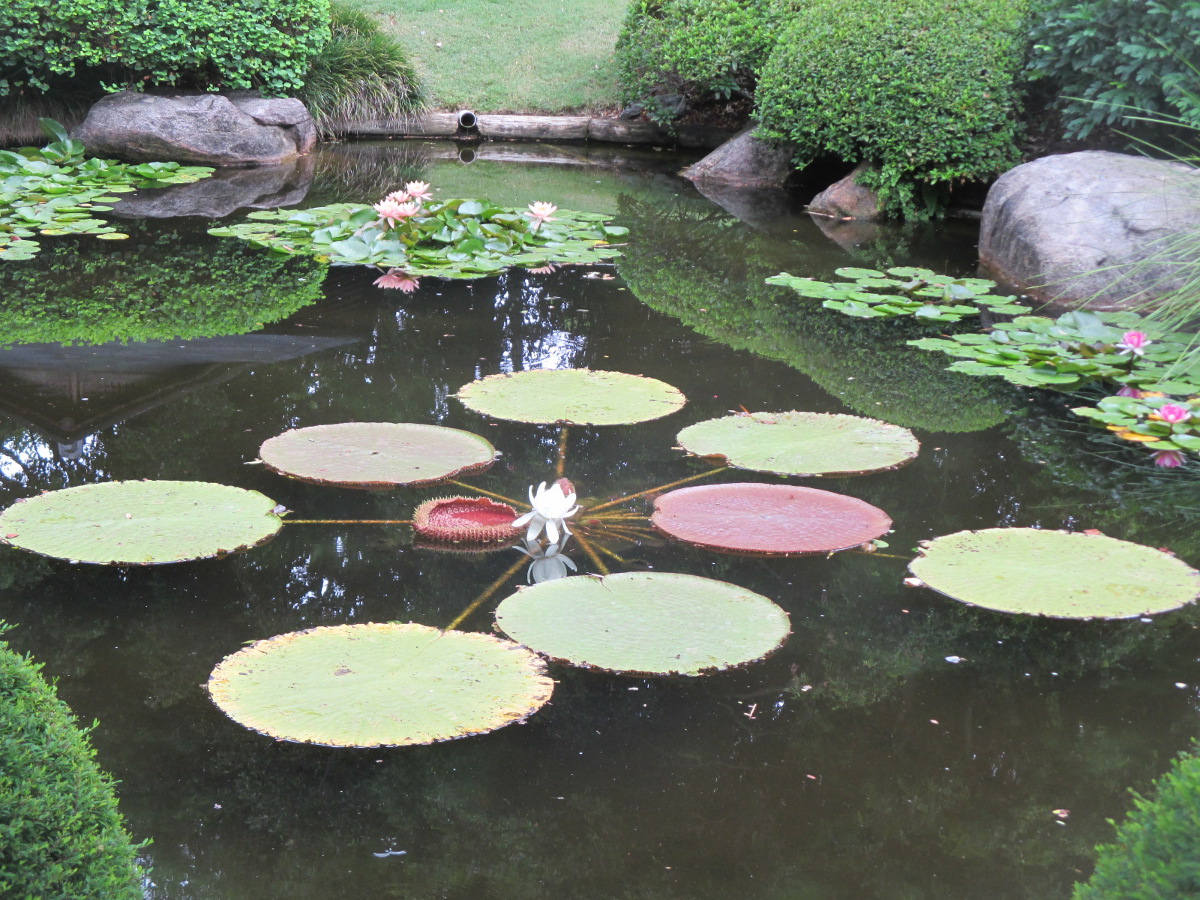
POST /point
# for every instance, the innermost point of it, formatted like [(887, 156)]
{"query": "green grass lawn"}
[(504, 56)]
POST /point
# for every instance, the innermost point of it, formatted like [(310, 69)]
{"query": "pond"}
[(900, 745)]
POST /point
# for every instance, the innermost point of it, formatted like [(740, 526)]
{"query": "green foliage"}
[(1155, 856), (61, 835), (450, 238), (902, 291), (698, 48), (362, 73), (209, 44), (56, 190), (1142, 419), (1118, 60), (926, 90), (155, 286)]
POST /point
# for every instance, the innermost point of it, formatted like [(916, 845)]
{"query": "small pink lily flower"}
[(398, 197), (398, 279), (541, 212), (1168, 459), (1174, 413), (419, 190), (1134, 342), (544, 270), (1128, 391), (393, 213)]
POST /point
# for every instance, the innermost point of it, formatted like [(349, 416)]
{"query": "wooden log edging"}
[(541, 128)]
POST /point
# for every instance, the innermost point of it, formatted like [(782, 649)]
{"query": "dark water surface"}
[(857, 763)]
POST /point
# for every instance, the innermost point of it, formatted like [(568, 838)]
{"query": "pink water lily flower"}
[(393, 213), (419, 190), (398, 197), (1174, 413), (541, 212), (1134, 342), (398, 279), (547, 269), (1169, 459), (1128, 391)]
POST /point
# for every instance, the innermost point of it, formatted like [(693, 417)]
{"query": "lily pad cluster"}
[(902, 291), (1167, 426), (57, 190), (411, 235)]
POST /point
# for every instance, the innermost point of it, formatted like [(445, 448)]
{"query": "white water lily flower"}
[(552, 506), (549, 562)]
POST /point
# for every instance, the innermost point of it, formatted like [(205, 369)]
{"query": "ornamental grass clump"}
[(927, 91)]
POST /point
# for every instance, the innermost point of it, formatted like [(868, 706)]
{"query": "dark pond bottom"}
[(861, 761)]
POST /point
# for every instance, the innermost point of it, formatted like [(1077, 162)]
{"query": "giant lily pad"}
[(645, 623), (802, 443), (1055, 573), (572, 396), (376, 454), (141, 522), (379, 685), (768, 519), (465, 520)]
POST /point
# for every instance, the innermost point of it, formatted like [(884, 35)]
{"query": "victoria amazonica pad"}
[(1062, 575), (379, 685), (141, 522), (768, 519), (802, 443), (571, 397), (377, 454), (645, 623)]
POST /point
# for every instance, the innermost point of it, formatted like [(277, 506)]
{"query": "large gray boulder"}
[(1095, 227), (745, 161), (238, 129), (847, 199)]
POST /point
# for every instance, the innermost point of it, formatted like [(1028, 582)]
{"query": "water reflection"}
[(548, 560)]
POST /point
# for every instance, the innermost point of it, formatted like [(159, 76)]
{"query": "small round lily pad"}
[(572, 397), (1063, 575), (141, 523), (645, 623), (802, 443), (376, 455), (768, 519), (379, 685)]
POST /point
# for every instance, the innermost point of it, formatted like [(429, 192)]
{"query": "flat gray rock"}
[(241, 129), (1092, 227), (745, 161)]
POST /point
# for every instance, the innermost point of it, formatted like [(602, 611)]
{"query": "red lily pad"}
[(469, 520), (768, 519)]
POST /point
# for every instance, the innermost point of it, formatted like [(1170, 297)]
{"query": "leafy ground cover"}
[(543, 56)]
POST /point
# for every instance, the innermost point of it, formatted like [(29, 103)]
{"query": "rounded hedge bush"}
[(1157, 852), (209, 44), (61, 835), (926, 90)]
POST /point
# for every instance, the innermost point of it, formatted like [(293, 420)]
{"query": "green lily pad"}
[(379, 685), (645, 623), (768, 519), (1055, 573), (802, 443), (376, 455), (572, 396), (141, 523)]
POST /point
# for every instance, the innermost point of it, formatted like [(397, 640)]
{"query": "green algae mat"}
[(141, 523), (571, 397), (379, 685), (376, 455), (1058, 574), (802, 443), (645, 623)]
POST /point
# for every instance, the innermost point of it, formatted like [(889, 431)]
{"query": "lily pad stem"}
[(487, 594), (479, 490), (655, 490)]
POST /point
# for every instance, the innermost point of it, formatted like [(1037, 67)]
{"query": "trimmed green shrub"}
[(1113, 60), (926, 90), (1156, 855), (61, 835), (209, 44), (361, 73), (698, 48)]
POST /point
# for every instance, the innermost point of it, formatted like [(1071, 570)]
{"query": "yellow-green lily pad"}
[(572, 397), (379, 685)]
